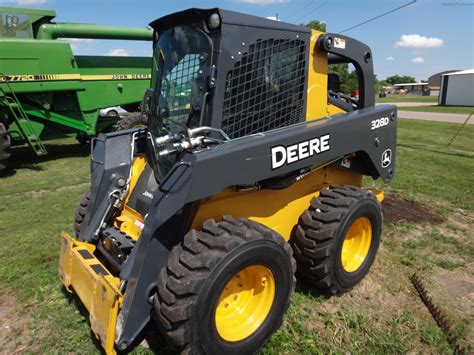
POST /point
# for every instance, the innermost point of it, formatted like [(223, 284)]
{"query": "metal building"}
[(457, 89)]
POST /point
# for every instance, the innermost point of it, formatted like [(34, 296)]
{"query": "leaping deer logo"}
[(386, 158)]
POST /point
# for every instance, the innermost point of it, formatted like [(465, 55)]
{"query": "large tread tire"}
[(320, 233), (187, 286), (80, 213), (132, 120), (5, 143)]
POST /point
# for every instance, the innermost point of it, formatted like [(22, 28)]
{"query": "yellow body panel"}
[(317, 103), (130, 221), (82, 273), (277, 209)]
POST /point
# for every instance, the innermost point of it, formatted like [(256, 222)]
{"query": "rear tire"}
[(112, 113), (4, 146), (339, 214), (199, 290), (132, 120), (81, 210)]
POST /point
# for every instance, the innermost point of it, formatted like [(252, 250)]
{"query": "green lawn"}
[(466, 110), (406, 98), (381, 315)]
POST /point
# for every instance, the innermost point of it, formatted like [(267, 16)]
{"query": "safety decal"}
[(339, 43)]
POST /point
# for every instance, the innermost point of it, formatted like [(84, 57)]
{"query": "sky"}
[(421, 39)]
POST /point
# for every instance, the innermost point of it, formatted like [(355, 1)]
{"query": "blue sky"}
[(437, 34)]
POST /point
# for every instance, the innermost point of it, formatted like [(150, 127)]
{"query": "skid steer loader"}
[(249, 171)]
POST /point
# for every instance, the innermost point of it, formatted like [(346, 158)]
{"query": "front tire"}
[(80, 213), (4, 146), (337, 238), (236, 264)]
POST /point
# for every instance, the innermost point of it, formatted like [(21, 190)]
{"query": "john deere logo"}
[(282, 155), (386, 158)]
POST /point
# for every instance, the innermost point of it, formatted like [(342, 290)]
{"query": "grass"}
[(463, 110), (381, 315), (406, 98)]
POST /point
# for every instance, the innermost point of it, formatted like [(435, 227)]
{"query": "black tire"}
[(4, 146), (197, 271), (81, 210), (112, 113), (320, 235), (132, 120)]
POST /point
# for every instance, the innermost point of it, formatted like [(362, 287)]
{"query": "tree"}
[(317, 25), (397, 79)]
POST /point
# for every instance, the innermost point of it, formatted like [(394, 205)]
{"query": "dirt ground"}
[(396, 209), (13, 325)]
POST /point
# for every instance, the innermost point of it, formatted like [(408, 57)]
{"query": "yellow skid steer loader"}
[(250, 170)]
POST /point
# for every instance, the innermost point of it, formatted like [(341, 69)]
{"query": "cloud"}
[(274, 18), (263, 2), (78, 43), (119, 52), (417, 41), (390, 59), (418, 60)]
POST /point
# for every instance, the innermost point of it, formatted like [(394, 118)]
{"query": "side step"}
[(83, 274)]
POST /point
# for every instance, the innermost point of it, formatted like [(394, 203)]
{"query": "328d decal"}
[(379, 122)]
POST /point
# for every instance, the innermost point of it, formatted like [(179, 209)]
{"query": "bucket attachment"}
[(83, 274)]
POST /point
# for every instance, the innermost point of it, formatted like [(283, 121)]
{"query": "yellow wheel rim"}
[(245, 302), (356, 244)]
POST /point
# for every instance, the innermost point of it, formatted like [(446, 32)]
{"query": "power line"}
[(297, 18), (312, 11), (378, 16)]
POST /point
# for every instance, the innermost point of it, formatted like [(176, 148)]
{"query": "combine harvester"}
[(47, 92)]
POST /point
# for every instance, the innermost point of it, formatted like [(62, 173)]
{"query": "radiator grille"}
[(265, 89)]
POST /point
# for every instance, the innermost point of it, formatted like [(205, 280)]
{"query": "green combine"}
[(47, 92)]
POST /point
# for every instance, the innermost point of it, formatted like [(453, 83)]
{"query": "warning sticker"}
[(340, 43)]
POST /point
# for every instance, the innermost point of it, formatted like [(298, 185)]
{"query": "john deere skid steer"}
[(249, 171)]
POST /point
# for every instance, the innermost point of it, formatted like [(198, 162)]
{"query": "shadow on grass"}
[(306, 288), (23, 157), (151, 334)]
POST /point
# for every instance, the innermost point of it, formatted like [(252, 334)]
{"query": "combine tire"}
[(337, 238), (225, 288), (112, 113), (4, 147), (81, 210), (132, 120)]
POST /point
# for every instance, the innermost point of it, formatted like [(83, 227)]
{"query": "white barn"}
[(457, 89)]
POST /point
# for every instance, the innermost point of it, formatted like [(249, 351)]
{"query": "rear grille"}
[(265, 89)]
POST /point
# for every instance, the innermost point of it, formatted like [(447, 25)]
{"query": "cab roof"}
[(227, 17), (35, 14)]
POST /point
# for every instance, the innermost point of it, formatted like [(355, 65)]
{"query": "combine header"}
[(47, 92)]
